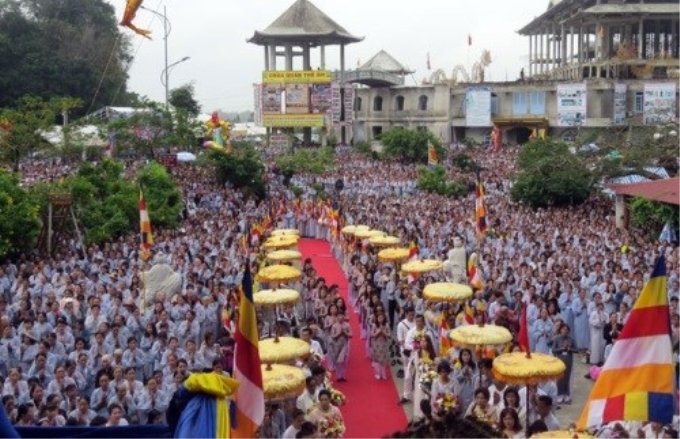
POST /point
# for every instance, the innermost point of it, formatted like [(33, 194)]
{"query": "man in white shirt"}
[(408, 352), (307, 400), (544, 408), (314, 346), (292, 431)]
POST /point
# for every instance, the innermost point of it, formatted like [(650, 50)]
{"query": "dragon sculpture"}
[(460, 74)]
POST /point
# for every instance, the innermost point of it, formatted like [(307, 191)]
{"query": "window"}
[(422, 103), (494, 104), (400, 103), (639, 102), (377, 103), (519, 103), (537, 103), (486, 140), (357, 104), (377, 131)]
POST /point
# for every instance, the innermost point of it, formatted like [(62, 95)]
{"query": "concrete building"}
[(592, 64)]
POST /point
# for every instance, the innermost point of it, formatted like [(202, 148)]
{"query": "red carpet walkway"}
[(371, 410)]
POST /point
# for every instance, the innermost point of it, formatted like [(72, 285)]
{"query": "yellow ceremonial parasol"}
[(275, 297), (286, 232), (282, 382), (562, 434), (480, 335), (384, 241), (352, 229), (282, 349), (446, 291), (284, 255), (522, 369), (422, 266), (393, 254), (283, 241), (279, 273), (366, 234)]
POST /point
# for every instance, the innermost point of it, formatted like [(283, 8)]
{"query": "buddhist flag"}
[(636, 381), (469, 314), (480, 209), (247, 367), (523, 338), (444, 341), (432, 157), (474, 273), (413, 251), (146, 239)]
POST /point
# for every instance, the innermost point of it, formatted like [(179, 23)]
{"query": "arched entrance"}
[(519, 134)]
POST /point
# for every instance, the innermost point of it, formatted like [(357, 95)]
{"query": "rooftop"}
[(665, 191), (385, 62), (303, 22)]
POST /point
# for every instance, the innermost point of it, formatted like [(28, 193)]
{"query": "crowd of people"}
[(79, 345)]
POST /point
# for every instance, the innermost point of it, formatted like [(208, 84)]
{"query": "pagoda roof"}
[(385, 62), (303, 22), (566, 11)]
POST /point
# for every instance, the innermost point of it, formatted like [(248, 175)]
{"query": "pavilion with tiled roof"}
[(664, 191)]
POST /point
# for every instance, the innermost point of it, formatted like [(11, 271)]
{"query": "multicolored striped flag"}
[(444, 340), (146, 238), (474, 275), (523, 338), (432, 157), (480, 209), (636, 381), (469, 314), (249, 399), (413, 250)]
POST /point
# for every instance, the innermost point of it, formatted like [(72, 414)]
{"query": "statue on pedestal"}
[(455, 264)]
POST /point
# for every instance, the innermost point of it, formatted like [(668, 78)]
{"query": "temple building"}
[(592, 64)]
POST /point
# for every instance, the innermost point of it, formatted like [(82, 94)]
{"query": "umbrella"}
[(521, 368), (279, 273), (286, 232), (275, 297), (186, 157), (366, 234), (284, 255), (350, 230), (282, 349), (384, 241), (446, 291), (282, 382), (480, 335), (393, 254), (282, 241), (422, 266), (562, 434)]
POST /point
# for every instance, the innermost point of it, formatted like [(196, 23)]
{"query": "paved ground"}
[(567, 414)]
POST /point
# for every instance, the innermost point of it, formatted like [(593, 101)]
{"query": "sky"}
[(223, 66)]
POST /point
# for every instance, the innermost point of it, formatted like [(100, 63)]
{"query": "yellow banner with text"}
[(297, 77), (292, 120)]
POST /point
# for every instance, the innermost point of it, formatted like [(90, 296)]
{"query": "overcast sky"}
[(223, 66)]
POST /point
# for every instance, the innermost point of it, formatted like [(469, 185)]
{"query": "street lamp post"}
[(167, 28), (165, 75)]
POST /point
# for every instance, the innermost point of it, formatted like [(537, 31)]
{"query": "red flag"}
[(413, 251), (469, 40), (524, 331)]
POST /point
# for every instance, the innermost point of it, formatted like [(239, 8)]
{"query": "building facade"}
[(592, 64)]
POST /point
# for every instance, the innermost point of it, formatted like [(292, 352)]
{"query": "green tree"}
[(242, 168), (63, 48), (19, 221), (549, 174), (183, 98), (410, 145), (435, 180), (107, 204), (465, 163), (306, 160), (143, 132), (22, 126), (651, 216)]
